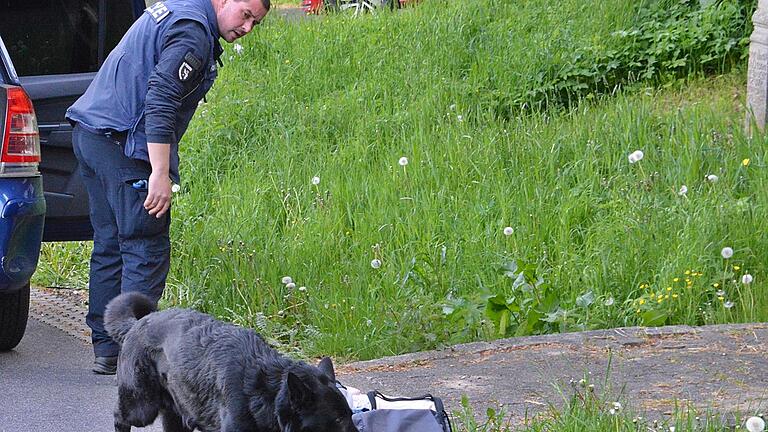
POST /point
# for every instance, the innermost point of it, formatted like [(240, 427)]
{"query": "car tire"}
[(14, 310)]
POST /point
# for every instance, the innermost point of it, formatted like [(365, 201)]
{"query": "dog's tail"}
[(123, 312)]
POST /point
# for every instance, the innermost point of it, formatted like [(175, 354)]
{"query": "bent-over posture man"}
[(127, 127)]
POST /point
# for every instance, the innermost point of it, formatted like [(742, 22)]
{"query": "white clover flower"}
[(287, 279), (635, 156), (290, 285), (726, 252), (315, 180), (376, 263), (728, 304), (746, 279), (755, 424), (609, 301), (238, 48), (508, 231), (712, 178), (403, 161), (683, 190)]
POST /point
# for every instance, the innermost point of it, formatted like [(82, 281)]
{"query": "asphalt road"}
[(46, 385)]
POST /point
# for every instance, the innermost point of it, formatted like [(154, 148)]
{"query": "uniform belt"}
[(116, 135), (110, 133)]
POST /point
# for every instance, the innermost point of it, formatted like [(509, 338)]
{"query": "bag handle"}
[(372, 395)]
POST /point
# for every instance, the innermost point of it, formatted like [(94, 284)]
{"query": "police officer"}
[(127, 127)]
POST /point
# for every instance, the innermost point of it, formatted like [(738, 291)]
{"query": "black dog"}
[(200, 373)]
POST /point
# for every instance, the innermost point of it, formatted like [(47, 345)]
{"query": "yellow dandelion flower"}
[(638, 311), (660, 300), (666, 296), (674, 295), (669, 288), (653, 295), (687, 280), (641, 301), (736, 268), (676, 280), (721, 298), (745, 162), (687, 272), (715, 284)]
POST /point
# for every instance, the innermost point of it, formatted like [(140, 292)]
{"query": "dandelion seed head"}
[(755, 424), (726, 252), (238, 48), (403, 161), (683, 190), (287, 279), (376, 263), (728, 304), (508, 231), (636, 156), (746, 279), (460, 118), (315, 180), (290, 285), (712, 178), (175, 188), (302, 288), (609, 301)]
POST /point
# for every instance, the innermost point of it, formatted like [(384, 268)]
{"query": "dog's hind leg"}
[(172, 422)]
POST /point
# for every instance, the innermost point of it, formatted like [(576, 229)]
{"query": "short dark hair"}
[(265, 3)]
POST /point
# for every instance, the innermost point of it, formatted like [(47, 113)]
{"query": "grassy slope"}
[(345, 99)]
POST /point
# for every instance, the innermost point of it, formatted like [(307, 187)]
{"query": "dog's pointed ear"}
[(298, 393), (326, 366)]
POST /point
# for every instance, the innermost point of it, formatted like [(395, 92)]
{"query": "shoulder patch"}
[(158, 11), (188, 65)]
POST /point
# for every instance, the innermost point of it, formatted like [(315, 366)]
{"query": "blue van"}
[(50, 51)]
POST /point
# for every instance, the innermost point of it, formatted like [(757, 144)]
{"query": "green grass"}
[(344, 99), (585, 411)]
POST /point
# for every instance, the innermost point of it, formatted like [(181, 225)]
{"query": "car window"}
[(46, 37)]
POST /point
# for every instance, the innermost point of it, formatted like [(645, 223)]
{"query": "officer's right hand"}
[(158, 195)]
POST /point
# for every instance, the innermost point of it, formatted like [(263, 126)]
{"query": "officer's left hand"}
[(158, 195)]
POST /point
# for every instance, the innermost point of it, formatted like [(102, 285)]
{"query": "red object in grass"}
[(312, 6)]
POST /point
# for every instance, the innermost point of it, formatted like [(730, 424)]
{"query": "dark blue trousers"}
[(131, 249)]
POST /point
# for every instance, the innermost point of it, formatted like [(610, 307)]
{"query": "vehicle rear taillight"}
[(21, 143)]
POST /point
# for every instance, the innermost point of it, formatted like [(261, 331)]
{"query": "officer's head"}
[(236, 18)]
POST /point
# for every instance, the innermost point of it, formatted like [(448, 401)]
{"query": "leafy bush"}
[(672, 39)]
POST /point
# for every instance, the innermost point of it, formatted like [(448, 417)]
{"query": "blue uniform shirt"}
[(150, 84)]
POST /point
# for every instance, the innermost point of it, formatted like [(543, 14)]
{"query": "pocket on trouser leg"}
[(133, 220)]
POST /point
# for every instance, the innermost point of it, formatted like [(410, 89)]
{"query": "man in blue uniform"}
[(127, 127)]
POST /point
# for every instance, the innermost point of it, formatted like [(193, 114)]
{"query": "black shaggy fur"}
[(200, 373)]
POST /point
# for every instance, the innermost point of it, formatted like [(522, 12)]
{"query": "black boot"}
[(105, 365)]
